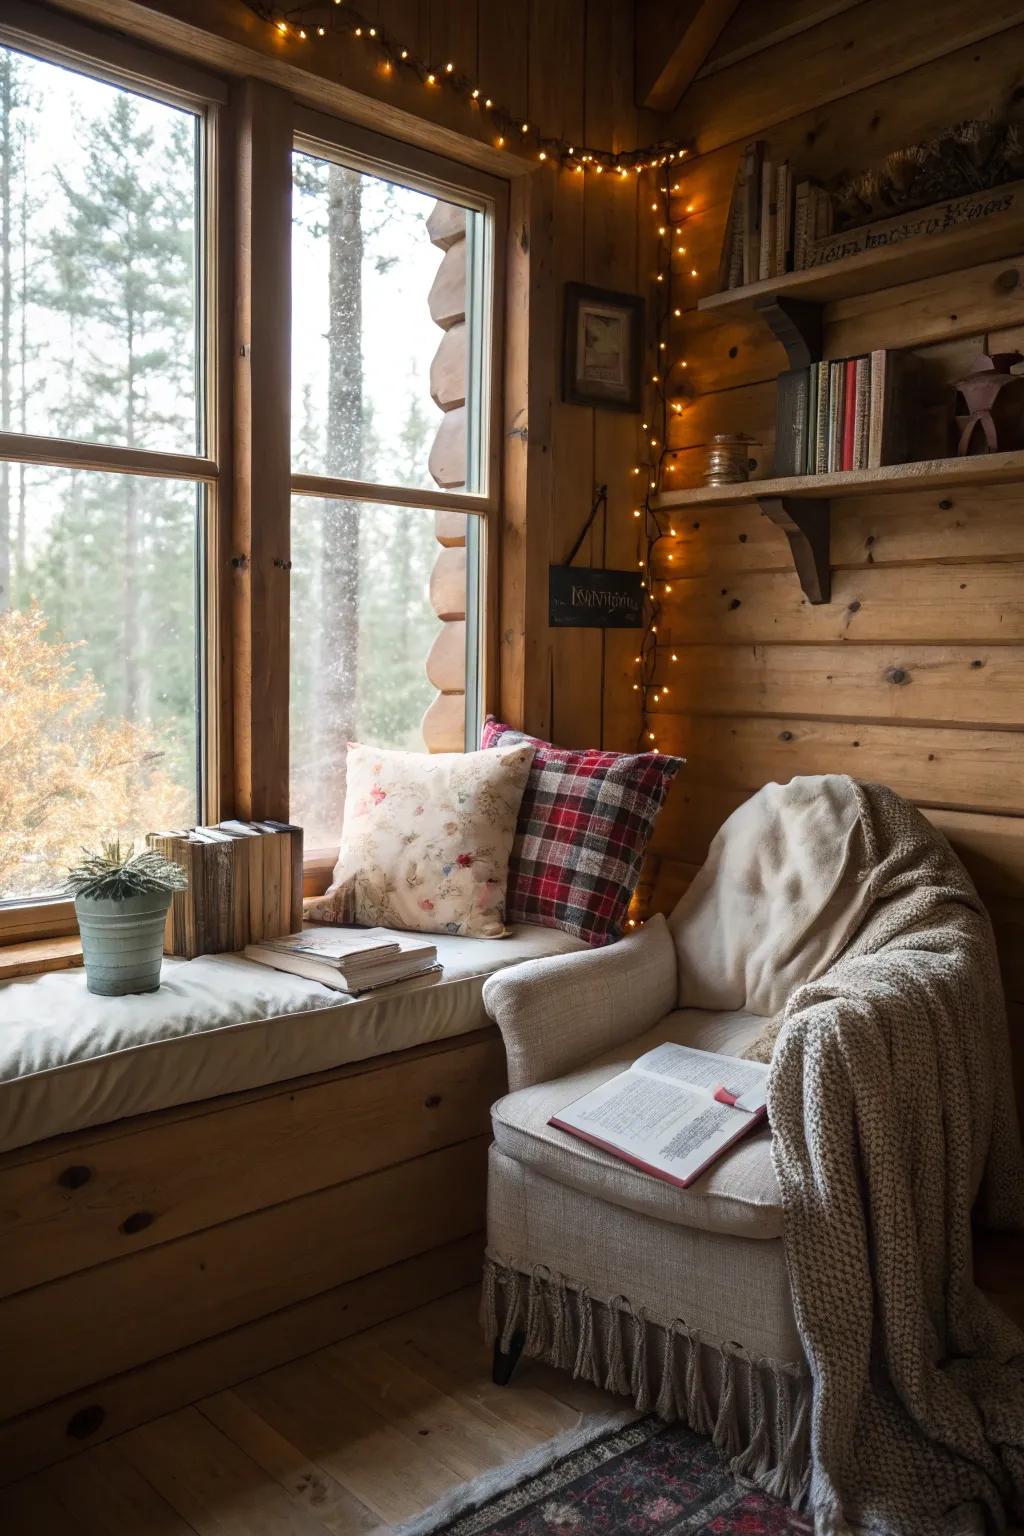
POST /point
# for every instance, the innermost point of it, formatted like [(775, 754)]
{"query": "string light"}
[(294, 20)]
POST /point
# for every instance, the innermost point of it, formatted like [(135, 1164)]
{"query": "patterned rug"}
[(648, 1479)]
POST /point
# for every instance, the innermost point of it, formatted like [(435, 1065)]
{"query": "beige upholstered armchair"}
[(832, 925), (678, 1296)]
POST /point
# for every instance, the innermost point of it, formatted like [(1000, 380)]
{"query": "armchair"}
[(677, 1297)]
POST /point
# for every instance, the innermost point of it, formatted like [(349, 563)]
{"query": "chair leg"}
[(505, 1364)]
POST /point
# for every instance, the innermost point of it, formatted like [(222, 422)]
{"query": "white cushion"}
[(217, 1025), (738, 1194)]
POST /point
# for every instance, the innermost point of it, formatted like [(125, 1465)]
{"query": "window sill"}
[(39, 955)]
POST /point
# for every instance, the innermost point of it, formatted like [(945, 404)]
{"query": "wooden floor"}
[(349, 1440)]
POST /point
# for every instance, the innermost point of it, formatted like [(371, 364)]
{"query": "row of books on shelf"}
[(244, 885), (849, 413), (773, 221)]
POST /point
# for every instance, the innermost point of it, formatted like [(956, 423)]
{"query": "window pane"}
[(382, 283), (98, 338), (378, 644), (98, 734)]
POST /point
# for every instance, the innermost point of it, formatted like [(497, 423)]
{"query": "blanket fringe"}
[(615, 1345)]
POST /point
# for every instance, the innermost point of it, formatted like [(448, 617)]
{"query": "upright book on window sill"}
[(673, 1112)]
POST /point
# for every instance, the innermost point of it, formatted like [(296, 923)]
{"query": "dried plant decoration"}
[(970, 156)]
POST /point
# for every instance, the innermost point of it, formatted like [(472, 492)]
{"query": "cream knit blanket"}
[(893, 1121)]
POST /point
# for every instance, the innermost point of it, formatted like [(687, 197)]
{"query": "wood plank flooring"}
[(350, 1440)]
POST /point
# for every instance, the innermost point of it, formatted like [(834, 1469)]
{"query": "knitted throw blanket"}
[(893, 1121)]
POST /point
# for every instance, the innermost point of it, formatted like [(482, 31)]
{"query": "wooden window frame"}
[(327, 137), (120, 62), (251, 127)]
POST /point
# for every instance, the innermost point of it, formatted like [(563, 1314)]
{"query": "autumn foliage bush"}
[(68, 775)]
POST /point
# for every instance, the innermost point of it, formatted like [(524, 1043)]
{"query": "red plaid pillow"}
[(584, 824)]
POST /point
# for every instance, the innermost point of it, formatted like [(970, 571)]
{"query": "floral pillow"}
[(426, 839)]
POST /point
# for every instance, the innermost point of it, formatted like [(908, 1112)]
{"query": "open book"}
[(673, 1112)]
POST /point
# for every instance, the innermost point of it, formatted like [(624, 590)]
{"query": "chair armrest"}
[(558, 1012)]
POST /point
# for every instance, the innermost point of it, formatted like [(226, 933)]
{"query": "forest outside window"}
[(106, 476), (392, 360)]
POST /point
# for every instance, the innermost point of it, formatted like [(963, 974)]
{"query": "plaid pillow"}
[(584, 824)]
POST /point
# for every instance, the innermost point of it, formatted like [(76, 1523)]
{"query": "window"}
[(392, 352), (107, 479)]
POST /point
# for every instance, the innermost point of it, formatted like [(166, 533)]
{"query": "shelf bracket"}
[(796, 323), (806, 526)]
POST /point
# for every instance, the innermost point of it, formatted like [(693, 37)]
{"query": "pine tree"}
[(118, 566)]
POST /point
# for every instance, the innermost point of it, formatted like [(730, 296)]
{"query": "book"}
[(348, 959), (783, 221), (753, 156), (791, 421), (801, 217), (673, 1112), (730, 263), (836, 375), (810, 446), (769, 213), (894, 407), (862, 383), (821, 420), (849, 411)]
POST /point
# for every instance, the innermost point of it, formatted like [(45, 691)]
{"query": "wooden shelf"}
[(892, 479), (39, 955), (802, 504), (884, 267)]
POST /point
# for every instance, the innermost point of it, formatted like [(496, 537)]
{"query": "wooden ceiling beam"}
[(673, 38)]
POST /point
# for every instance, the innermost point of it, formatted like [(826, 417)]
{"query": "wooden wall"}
[(914, 673)]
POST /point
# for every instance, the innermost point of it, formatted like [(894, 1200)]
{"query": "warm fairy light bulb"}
[(358, 32), (637, 658), (636, 687), (674, 656), (671, 557), (542, 155), (524, 128), (488, 102), (654, 442), (431, 79), (636, 512), (683, 363), (689, 207), (475, 94), (282, 27), (655, 379), (677, 313), (405, 52), (636, 469), (672, 532), (668, 587), (661, 229), (693, 271), (654, 207), (661, 278), (680, 250), (449, 67), (622, 170), (643, 425), (579, 169), (500, 140), (302, 33), (321, 31), (599, 168), (662, 345), (650, 735), (373, 31)]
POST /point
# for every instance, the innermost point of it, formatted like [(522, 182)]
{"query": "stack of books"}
[(244, 885), (773, 221), (349, 959), (851, 413)]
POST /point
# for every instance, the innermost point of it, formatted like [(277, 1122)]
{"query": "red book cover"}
[(849, 411)]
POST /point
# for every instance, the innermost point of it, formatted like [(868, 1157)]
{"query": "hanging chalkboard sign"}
[(584, 598)]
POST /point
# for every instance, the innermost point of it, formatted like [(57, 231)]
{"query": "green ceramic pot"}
[(122, 941)]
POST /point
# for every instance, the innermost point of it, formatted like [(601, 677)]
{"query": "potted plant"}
[(121, 901)]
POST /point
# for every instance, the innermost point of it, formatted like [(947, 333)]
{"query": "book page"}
[(657, 1125), (746, 1081)]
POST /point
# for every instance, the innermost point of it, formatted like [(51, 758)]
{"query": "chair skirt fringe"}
[(755, 1410)]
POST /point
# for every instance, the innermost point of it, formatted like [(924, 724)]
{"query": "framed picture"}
[(603, 354)]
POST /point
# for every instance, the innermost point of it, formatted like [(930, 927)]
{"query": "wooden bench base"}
[(159, 1259)]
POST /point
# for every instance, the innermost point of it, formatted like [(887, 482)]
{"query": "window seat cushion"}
[(219, 1024)]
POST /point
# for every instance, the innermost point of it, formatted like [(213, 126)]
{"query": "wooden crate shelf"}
[(801, 504)]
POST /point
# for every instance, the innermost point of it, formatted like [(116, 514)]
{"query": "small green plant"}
[(113, 875)]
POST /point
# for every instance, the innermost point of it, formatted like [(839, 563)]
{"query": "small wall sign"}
[(581, 597)]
